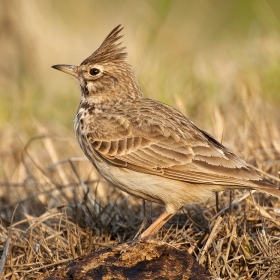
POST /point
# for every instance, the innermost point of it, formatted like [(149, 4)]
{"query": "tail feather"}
[(271, 191), (268, 187)]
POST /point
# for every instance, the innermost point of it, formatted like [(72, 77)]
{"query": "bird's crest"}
[(109, 50)]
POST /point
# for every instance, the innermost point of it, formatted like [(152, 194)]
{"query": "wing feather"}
[(167, 144)]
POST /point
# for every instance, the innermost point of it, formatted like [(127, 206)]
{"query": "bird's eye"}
[(94, 71)]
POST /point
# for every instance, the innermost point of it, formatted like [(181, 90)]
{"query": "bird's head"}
[(105, 75)]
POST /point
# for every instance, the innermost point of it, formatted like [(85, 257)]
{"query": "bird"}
[(147, 148)]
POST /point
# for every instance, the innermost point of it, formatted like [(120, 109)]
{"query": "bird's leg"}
[(217, 202), (156, 225), (230, 202)]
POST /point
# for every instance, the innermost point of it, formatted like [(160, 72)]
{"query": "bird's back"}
[(153, 138)]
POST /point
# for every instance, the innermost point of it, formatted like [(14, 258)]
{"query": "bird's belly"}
[(174, 194)]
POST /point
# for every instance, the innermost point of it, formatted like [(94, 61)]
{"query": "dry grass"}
[(61, 210), (53, 205)]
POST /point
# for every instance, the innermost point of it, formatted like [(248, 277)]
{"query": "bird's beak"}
[(69, 69)]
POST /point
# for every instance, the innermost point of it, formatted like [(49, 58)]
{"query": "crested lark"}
[(147, 148)]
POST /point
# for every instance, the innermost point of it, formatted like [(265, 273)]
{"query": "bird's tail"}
[(268, 187)]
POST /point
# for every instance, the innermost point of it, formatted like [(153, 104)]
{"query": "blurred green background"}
[(191, 54)]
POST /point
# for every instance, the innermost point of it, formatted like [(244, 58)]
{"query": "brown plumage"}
[(147, 148)]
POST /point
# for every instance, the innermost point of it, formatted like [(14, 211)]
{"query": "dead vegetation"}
[(55, 209)]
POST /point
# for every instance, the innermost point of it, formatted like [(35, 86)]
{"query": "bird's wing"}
[(169, 146)]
